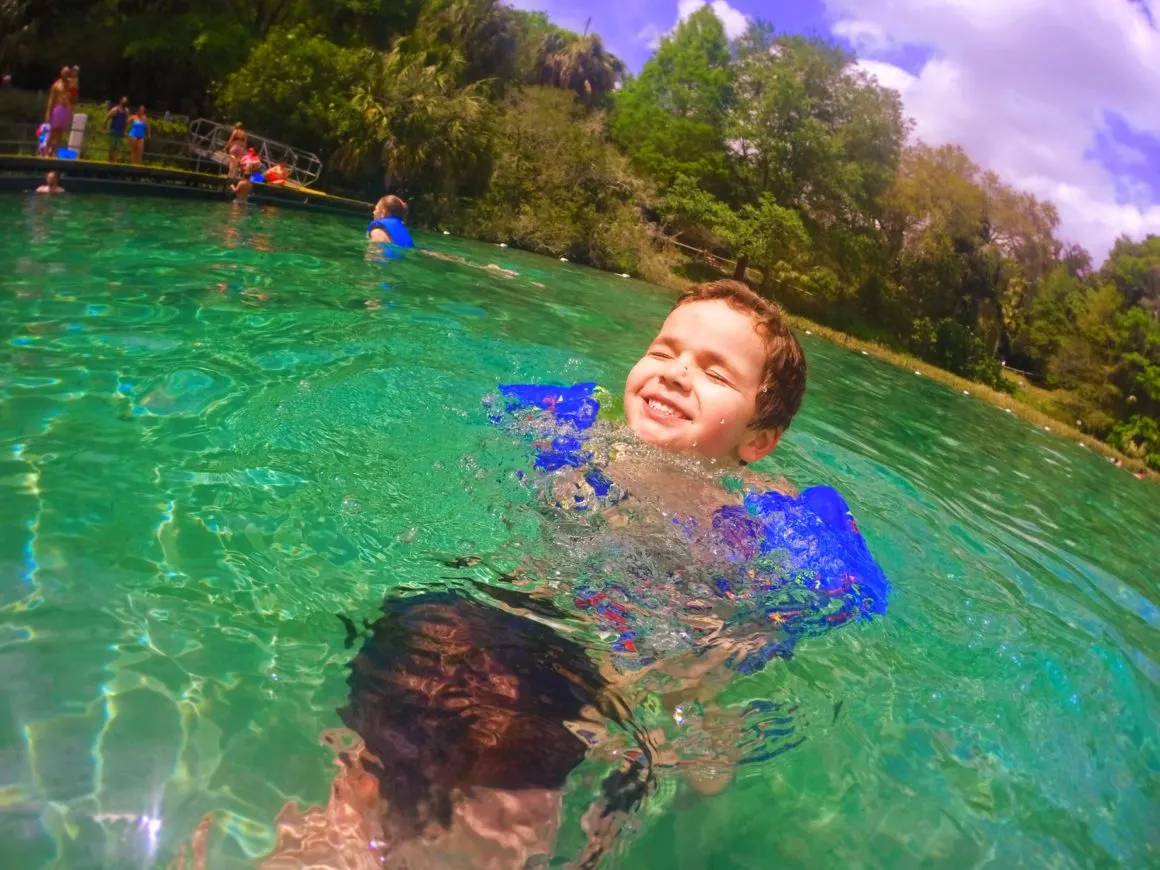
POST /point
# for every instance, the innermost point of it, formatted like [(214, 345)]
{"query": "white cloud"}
[(734, 20), (1025, 87), (866, 36), (650, 35)]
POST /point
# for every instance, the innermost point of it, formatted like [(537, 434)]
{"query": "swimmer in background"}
[(387, 223), (51, 184), (387, 227), (241, 190), (468, 715)]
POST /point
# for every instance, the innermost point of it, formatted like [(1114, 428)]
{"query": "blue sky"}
[(627, 26), (1060, 97)]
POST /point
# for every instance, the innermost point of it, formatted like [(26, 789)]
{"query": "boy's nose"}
[(677, 373)]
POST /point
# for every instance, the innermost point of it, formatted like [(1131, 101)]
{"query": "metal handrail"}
[(20, 138), (207, 142), (202, 150)]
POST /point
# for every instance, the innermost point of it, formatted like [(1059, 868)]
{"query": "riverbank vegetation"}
[(773, 152)]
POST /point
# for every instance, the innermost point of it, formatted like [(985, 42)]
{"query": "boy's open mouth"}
[(659, 409)]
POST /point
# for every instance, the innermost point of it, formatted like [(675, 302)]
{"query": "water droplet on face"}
[(722, 421)]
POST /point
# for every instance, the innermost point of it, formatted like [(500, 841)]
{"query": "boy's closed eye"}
[(719, 377)]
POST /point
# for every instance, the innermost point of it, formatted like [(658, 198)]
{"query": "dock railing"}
[(207, 144), (201, 149)]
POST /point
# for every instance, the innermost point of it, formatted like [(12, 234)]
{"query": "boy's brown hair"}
[(392, 206), (783, 380)]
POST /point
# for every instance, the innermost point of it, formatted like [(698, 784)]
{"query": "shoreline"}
[(976, 390)]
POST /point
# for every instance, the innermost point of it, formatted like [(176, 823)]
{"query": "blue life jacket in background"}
[(394, 228)]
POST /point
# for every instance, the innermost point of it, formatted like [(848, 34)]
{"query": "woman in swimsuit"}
[(59, 111), (236, 147), (116, 119), (138, 129)]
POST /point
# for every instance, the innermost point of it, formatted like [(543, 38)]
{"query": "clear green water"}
[(209, 446)]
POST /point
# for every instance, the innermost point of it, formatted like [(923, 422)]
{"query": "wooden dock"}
[(21, 172)]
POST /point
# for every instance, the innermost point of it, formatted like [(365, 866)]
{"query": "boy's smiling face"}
[(695, 390)]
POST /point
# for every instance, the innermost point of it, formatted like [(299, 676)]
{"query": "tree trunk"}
[(742, 265)]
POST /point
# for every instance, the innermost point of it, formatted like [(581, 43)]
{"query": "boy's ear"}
[(757, 444)]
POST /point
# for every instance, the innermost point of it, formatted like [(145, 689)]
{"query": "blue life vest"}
[(394, 228), (802, 562)]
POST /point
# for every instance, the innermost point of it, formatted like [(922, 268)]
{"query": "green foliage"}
[(1134, 267), (295, 86), (580, 64), (957, 348), (1138, 437), (1053, 313), (671, 119), (429, 137), (479, 40), (558, 187)]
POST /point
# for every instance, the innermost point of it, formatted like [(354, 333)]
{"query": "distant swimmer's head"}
[(722, 379), (390, 206)]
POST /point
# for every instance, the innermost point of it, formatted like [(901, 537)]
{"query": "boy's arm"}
[(378, 234)]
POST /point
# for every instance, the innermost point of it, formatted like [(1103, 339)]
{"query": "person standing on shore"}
[(59, 111), (116, 120), (138, 130)]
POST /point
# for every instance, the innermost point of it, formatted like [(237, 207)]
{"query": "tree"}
[(559, 187), (1053, 315), (430, 137), (581, 64), (670, 120), (480, 40), (1134, 267), (816, 134), (296, 86), (768, 235)]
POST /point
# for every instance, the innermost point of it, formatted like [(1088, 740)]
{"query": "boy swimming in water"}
[(387, 223), (470, 713), (241, 189)]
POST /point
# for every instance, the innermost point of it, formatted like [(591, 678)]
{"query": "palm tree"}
[(415, 120), (581, 64)]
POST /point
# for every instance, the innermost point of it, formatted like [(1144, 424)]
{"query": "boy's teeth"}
[(662, 408)]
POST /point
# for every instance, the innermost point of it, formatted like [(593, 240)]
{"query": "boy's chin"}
[(674, 440)]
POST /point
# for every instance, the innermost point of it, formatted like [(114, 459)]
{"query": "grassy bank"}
[(1028, 401)]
